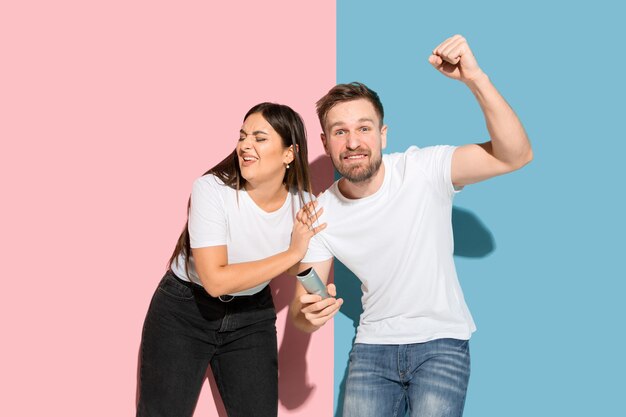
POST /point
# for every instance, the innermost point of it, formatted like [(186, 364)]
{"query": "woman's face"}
[(261, 154)]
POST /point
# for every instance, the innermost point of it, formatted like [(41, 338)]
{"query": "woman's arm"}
[(218, 277)]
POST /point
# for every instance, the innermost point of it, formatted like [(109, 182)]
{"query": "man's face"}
[(354, 139)]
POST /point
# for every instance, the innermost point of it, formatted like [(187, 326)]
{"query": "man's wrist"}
[(477, 81)]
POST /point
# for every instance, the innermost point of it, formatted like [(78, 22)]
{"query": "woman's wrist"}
[(294, 255)]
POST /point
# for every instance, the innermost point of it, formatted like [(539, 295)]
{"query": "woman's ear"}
[(289, 155)]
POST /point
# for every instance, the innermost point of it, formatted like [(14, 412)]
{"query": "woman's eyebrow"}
[(256, 132)]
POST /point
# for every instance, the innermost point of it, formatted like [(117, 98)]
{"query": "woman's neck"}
[(269, 196)]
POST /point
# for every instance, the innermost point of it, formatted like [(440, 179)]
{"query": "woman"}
[(214, 306)]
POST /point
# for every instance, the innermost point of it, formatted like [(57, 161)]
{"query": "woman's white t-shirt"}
[(220, 215)]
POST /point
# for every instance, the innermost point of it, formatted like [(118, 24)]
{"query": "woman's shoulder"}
[(211, 178), (211, 183)]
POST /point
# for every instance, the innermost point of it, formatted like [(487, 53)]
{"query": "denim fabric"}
[(427, 379), (186, 330)]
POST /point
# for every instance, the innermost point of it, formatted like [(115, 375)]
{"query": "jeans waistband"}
[(239, 300)]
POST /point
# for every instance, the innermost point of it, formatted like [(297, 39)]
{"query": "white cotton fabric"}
[(220, 215), (399, 243)]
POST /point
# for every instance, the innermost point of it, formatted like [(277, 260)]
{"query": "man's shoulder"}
[(416, 153), (411, 150), (330, 194), (393, 157)]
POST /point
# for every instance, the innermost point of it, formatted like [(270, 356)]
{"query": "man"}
[(389, 221)]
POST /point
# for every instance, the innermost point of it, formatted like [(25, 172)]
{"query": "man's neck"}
[(362, 189)]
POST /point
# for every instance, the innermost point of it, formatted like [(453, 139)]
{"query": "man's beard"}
[(358, 173)]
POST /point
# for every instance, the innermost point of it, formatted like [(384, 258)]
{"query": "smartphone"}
[(312, 282)]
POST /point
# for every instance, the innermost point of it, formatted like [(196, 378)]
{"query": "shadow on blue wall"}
[(472, 239)]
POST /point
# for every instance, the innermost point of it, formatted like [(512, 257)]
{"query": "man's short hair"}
[(348, 92)]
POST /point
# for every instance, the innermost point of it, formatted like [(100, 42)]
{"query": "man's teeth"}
[(356, 156)]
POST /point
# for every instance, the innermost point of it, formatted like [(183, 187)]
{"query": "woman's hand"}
[(304, 228)]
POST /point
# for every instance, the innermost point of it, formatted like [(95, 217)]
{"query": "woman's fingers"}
[(308, 214)]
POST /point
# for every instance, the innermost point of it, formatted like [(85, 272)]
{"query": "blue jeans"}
[(427, 379), (186, 330)]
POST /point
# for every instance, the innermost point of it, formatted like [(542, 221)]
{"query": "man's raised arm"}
[(509, 148)]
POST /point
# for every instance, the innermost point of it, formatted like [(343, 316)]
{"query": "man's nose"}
[(353, 141)]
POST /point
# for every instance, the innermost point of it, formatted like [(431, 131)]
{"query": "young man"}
[(389, 221)]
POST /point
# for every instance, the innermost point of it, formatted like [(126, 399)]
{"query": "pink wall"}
[(108, 111)]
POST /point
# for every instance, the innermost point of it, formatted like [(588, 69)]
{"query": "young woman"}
[(214, 307)]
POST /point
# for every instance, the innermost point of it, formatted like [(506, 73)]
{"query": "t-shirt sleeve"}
[(207, 216), (436, 164), (317, 252)]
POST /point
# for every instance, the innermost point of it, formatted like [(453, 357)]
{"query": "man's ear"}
[(323, 137), (383, 136)]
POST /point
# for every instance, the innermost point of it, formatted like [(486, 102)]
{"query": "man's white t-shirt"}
[(220, 215), (399, 243)]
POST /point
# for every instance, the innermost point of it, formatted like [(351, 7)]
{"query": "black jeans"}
[(186, 330)]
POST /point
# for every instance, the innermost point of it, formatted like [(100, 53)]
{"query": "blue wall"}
[(540, 251)]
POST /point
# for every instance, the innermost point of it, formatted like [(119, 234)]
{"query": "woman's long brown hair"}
[(289, 125)]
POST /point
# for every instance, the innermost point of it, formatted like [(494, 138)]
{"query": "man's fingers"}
[(435, 61), (316, 307), (445, 44), (451, 49), (439, 48), (310, 298), (325, 312), (331, 289), (452, 52), (319, 321), (440, 65)]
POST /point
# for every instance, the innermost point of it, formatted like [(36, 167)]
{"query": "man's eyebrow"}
[(361, 120), (334, 125)]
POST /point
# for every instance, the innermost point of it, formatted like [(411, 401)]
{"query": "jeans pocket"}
[(462, 344), (353, 352), (459, 346), (170, 287)]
